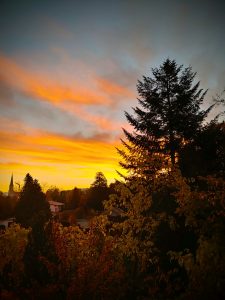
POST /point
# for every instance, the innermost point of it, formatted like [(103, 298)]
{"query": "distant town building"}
[(115, 214), (6, 223), (83, 223), (55, 206)]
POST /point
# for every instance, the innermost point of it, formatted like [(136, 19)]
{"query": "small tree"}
[(53, 194), (98, 192), (100, 181), (33, 211), (32, 208), (13, 243), (75, 199)]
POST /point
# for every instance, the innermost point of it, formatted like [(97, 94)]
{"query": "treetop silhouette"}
[(169, 114)]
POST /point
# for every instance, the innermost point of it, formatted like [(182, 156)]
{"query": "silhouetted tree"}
[(169, 116), (98, 192), (100, 180), (76, 198), (206, 154), (53, 194), (32, 209), (7, 206), (72, 198)]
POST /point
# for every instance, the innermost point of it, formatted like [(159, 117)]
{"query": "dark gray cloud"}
[(6, 95)]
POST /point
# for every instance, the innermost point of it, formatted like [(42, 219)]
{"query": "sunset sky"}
[(68, 71)]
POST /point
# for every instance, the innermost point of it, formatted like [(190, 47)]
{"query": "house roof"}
[(55, 203), (12, 219), (114, 211)]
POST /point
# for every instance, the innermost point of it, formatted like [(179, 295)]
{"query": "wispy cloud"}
[(112, 88), (46, 88), (73, 97), (96, 90)]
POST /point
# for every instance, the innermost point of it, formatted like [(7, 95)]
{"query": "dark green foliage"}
[(7, 206), (75, 199), (100, 181), (203, 208), (72, 198), (53, 194), (98, 192), (32, 209), (170, 111), (39, 255), (206, 154), (35, 270)]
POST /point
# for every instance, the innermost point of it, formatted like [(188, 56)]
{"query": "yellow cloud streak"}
[(58, 160)]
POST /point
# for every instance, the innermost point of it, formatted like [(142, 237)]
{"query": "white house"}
[(7, 222), (55, 206)]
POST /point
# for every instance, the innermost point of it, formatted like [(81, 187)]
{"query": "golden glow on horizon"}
[(55, 159)]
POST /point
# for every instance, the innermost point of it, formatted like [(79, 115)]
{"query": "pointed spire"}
[(11, 182), (11, 187)]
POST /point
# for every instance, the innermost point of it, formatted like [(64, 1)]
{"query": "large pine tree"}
[(169, 114)]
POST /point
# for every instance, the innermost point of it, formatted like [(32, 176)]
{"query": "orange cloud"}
[(46, 88), (96, 90), (113, 88), (69, 98), (100, 121)]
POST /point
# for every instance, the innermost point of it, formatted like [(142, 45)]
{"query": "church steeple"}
[(11, 192)]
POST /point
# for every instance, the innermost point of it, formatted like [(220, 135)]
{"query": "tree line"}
[(86, 201)]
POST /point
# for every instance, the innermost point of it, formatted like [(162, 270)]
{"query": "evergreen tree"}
[(32, 208), (7, 206), (76, 199), (169, 116), (98, 192), (33, 211), (100, 180), (206, 154)]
